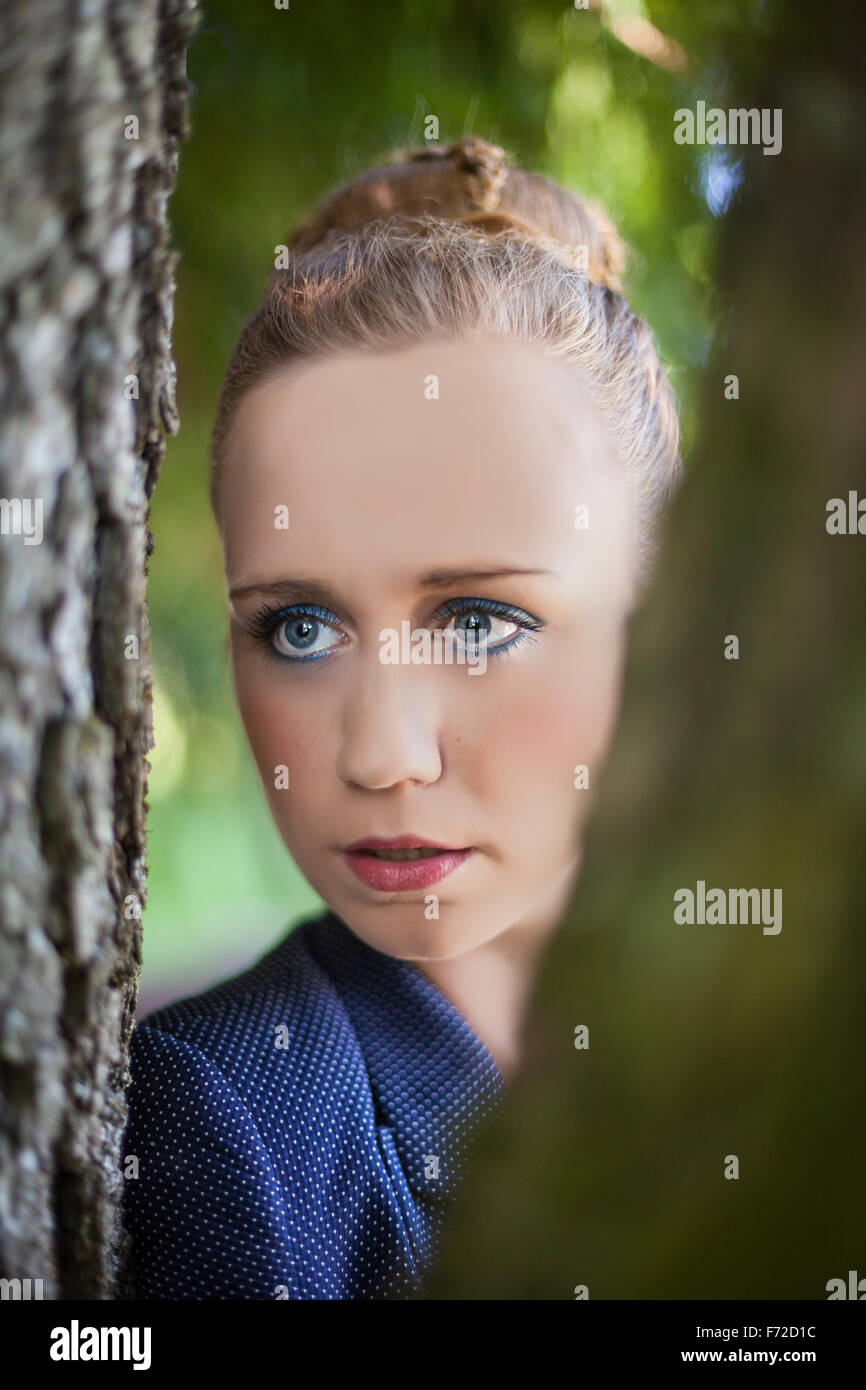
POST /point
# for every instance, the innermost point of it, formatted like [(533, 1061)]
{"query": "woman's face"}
[(440, 486)]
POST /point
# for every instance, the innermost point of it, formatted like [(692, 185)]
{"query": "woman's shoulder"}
[(273, 1033), (275, 977), (219, 1090)]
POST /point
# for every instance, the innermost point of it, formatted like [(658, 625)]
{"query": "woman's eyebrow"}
[(283, 589), (437, 579), (432, 579)]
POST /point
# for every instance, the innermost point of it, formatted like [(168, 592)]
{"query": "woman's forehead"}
[(364, 471), (435, 436)]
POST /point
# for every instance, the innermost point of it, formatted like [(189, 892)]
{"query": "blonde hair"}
[(444, 240)]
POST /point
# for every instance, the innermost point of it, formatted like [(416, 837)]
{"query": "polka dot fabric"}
[(302, 1128)]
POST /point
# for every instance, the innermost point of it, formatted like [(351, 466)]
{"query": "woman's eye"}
[(308, 634), (297, 634), (488, 624), (475, 628), (303, 636)]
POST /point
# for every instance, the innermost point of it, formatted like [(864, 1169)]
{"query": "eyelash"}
[(265, 622)]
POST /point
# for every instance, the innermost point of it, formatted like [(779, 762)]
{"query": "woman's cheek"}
[(285, 739), (536, 739), (565, 711), (263, 714)]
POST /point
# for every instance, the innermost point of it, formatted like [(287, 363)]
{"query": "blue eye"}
[(301, 633), (304, 632), (479, 622)]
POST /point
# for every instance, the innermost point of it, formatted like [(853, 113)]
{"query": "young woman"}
[(443, 419)]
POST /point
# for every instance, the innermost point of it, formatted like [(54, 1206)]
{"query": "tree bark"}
[(87, 392)]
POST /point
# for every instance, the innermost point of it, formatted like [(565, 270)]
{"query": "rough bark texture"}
[(87, 283)]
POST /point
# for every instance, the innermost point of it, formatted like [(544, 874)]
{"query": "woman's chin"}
[(402, 930)]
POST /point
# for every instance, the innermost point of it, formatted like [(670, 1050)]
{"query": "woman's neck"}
[(492, 985)]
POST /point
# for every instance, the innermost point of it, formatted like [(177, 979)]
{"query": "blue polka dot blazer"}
[(301, 1129)]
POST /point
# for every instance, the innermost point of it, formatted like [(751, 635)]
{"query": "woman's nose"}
[(389, 730)]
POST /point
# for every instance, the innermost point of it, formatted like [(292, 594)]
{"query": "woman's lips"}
[(402, 875)]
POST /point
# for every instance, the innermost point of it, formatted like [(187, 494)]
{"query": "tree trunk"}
[(93, 108)]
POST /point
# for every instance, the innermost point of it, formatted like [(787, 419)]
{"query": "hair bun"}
[(475, 182), (484, 166)]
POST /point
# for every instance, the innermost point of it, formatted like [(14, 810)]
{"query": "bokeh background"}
[(286, 104)]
